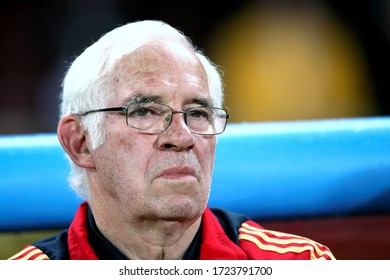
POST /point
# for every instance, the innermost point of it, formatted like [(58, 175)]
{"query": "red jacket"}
[(253, 243)]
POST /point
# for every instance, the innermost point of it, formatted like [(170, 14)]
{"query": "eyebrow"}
[(142, 98), (202, 101)]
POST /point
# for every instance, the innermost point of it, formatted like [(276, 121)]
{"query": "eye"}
[(140, 112), (199, 113), (143, 110)]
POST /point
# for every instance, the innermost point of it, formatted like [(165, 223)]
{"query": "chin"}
[(181, 211)]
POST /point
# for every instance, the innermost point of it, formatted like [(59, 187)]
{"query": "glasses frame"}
[(124, 109)]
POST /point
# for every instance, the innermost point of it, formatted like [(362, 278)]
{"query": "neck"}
[(154, 240), (144, 236)]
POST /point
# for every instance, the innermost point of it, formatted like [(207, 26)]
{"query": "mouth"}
[(178, 172)]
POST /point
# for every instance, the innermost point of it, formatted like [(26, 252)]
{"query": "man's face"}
[(164, 175)]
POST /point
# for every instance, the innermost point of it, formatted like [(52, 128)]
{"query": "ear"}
[(73, 139)]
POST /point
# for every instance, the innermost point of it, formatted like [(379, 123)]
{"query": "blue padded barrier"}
[(34, 193), (269, 170), (304, 168)]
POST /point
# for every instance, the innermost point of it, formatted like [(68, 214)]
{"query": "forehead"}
[(158, 68)]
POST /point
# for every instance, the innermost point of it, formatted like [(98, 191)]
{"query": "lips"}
[(178, 172)]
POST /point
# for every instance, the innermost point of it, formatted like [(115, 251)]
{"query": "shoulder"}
[(230, 222), (258, 242), (30, 252), (50, 248)]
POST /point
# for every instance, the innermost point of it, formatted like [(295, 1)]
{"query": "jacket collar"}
[(215, 243)]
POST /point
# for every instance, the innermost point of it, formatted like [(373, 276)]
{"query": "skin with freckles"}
[(149, 190)]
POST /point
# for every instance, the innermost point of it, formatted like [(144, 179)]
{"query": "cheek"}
[(208, 150), (206, 155), (121, 164), (133, 157)]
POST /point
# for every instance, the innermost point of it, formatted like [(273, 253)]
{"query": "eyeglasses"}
[(155, 117)]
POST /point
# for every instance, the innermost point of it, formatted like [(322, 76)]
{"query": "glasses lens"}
[(206, 120), (154, 117), (148, 116)]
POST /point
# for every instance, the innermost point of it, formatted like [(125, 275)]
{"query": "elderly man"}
[(141, 109)]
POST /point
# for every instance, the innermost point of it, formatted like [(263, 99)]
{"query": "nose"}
[(177, 136)]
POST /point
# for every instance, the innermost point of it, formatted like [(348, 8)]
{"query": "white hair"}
[(86, 86)]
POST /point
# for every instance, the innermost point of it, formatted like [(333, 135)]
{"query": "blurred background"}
[(282, 60)]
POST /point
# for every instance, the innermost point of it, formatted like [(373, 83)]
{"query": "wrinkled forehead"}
[(160, 64)]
